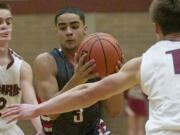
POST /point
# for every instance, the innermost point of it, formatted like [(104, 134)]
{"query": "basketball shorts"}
[(136, 107), (102, 128), (14, 130)]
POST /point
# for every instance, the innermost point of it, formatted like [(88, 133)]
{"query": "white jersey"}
[(10, 92), (160, 80)]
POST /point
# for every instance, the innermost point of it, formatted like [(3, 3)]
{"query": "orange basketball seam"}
[(82, 45), (115, 49), (105, 59), (92, 48)]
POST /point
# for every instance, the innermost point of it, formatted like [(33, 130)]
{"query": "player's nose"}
[(69, 31), (3, 26)]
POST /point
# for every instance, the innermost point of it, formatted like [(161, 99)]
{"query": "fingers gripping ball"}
[(105, 49)]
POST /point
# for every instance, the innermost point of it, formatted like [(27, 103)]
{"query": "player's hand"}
[(20, 111), (118, 66), (82, 70)]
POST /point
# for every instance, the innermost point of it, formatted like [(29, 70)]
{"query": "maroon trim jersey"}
[(10, 92)]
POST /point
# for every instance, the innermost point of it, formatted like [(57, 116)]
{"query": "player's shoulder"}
[(43, 58), (14, 54), (158, 45), (25, 69), (132, 67), (44, 61), (25, 65), (133, 63)]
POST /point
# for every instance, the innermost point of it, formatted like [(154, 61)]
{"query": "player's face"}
[(70, 30), (5, 25)]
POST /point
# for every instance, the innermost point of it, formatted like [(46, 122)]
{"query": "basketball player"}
[(15, 77), (57, 71)]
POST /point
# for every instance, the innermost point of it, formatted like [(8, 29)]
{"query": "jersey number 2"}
[(176, 61), (2, 103)]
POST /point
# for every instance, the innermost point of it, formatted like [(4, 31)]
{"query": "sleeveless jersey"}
[(160, 80), (80, 122), (10, 92)]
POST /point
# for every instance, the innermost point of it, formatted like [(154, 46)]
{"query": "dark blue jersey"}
[(80, 122)]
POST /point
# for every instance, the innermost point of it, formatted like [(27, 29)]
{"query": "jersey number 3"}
[(78, 117), (176, 61)]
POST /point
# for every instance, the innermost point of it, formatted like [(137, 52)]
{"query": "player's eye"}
[(62, 28), (1, 21), (9, 21), (75, 26)]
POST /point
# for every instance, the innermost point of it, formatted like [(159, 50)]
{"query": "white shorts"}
[(14, 130)]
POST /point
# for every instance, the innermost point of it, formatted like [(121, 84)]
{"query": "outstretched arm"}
[(83, 95)]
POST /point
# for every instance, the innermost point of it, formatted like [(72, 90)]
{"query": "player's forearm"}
[(37, 124), (69, 85), (73, 99), (82, 96)]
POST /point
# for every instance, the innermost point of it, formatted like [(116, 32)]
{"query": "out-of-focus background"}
[(127, 20)]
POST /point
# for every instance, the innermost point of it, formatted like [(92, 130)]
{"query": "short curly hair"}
[(70, 10)]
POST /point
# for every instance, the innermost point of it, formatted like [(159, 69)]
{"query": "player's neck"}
[(173, 37), (69, 55), (3, 50), (4, 55)]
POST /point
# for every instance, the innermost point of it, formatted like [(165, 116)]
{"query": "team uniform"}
[(136, 102), (81, 122), (10, 92), (160, 80)]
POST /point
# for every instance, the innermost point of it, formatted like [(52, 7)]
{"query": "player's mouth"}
[(70, 41), (5, 35)]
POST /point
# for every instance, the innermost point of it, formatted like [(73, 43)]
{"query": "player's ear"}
[(85, 29), (157, 28), (56, 29), (159, 34)]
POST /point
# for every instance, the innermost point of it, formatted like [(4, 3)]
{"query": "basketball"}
[(105, 49)]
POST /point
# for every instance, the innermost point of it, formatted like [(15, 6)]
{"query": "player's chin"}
[(5, 39), (70, 43), (71, 47)]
